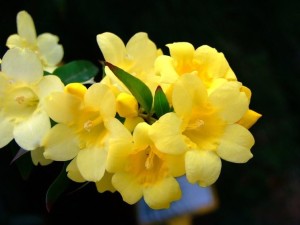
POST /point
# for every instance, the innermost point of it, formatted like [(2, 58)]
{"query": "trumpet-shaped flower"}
[(134, 61), (44, 45), (141, 170), (207, 123), (23, 89), (206, 61), (81, 132), (130, 58)]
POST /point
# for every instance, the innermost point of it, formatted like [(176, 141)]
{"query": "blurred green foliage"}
[(261, 41)]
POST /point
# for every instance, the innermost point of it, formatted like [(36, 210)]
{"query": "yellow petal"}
[(15, 40), (182, 51), (176, 164), (77, 89), (47, 85), (202, 166), (188, 92), (165, 68), (143, 59), (26, 28), (37, 156), (127, 105), (141, 136), (6, 130), (128, 187), (51, 52), (60, 143), (249, 119), (22, 65), (105, 183), (235, 144), (131, 123), (213, 63), (120, 145), (231, 103), (62, 107), (29, 133), (73, 172), (91, 163), (166, 134), (112, 47), (107, 104), (160, 195)]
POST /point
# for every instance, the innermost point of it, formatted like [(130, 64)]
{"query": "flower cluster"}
[(153, 117)]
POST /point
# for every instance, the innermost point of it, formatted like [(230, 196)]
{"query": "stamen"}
[(88, 125), (149, 160), (195, 125), (20, 99)]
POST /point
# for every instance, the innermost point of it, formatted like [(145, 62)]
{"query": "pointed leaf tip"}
[(137, 87)]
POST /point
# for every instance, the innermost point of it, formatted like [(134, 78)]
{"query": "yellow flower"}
[(204, 61), (134, 61), (139, 63), (45, 45), (207, 123), (81, 132), (23, 89), (141, 170)]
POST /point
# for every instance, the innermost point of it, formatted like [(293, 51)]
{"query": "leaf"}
[(161, 104), (57, 188), (76, 71), (137, 88)]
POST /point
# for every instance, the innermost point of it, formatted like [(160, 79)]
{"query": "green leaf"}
[(76, 71), (57, 188), (137, 88), (161, 104)]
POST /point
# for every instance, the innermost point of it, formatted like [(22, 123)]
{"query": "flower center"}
[(89, 124), (196, 124), (149, 160), (20, 102)]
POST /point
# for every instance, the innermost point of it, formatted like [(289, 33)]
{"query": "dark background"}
[(261, 41)]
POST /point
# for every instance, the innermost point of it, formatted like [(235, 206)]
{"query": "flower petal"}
[(60, 143), (73, 172), (235, 144), (202, 166), (164, 66), (107, 104), (189, 91), (143, 59), (213, 63), (62, 107), (26, 28), (22, 64), (160, 195), (112, 47), (249, 119), (6, 130), (166, 134), (15, 40), (51, 52), (231, 102), (120, 145), (141, 136), (91, 163), (183, 52), (49, 84), (128, 187), (37, 156), (29, 133), (105, 183)]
